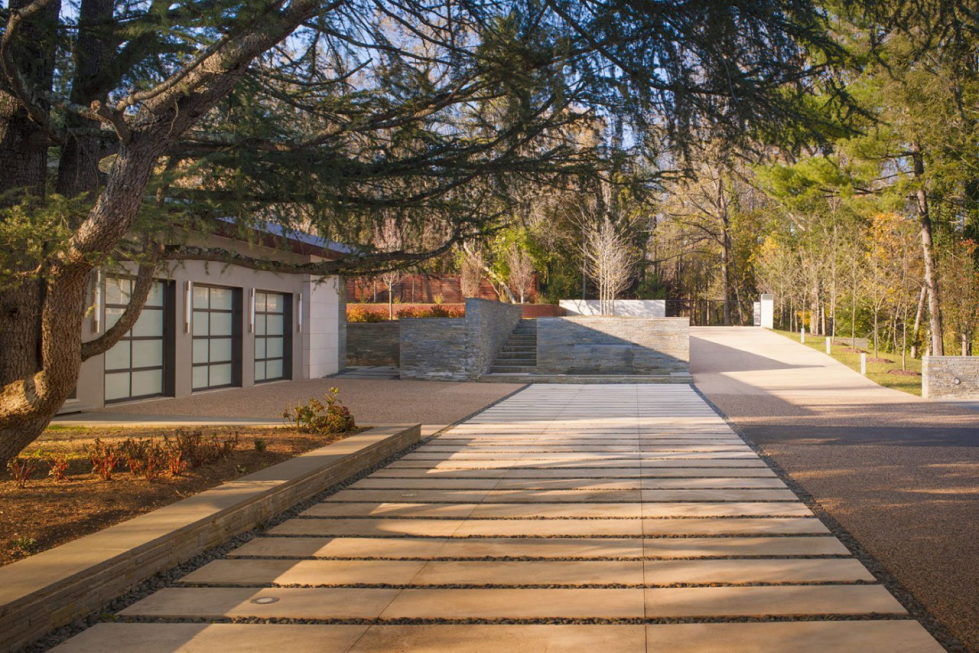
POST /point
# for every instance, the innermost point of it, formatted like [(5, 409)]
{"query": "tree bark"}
[(928, 255)]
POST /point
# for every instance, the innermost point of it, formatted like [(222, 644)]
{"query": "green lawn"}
[(877, 372)]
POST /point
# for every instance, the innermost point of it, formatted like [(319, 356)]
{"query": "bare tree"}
[(389, 238), (608, 261), (521, 275), (472, 273)]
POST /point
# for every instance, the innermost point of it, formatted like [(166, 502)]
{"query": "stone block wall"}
[(613, 345), (950, 377), (456, 349), (373, 343)]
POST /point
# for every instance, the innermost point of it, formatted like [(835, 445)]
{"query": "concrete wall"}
[(767, 311), (318, 335), (612, 345), (374, 343), (456, 349), (950, 377), (621, 307)]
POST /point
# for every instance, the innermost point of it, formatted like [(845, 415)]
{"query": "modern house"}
[(213, 325)]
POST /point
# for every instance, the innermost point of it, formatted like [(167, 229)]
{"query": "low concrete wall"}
[(66, 583), (621, 307), (613, 345), (950, 377), (373, 343), (456, 349)]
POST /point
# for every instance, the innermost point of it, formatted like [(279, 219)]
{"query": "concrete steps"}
[(519, 354)]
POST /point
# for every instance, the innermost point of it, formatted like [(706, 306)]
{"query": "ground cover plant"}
[(883, 370), (77, 480)]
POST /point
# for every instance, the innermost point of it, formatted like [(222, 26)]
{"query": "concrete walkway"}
[(565, 518), (898, 472)]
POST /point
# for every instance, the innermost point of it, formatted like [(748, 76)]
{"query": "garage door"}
[(137, 366), (217, 337), (273, 345)]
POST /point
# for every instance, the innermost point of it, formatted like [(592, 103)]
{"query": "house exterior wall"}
[(950, 377), (612, 345), (316, 343)]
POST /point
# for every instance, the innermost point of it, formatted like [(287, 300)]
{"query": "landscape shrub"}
[(59, 467), (104, 458), (323, 419), (196, 450), (361, 314), (22, 468)]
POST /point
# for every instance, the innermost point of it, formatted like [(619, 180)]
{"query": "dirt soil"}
[(46, 513)]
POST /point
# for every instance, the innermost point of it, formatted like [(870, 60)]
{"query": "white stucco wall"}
[(623, 307), (324, 313)]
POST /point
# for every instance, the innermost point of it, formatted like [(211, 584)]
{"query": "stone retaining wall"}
[(373, 343), (950, 377), (58, 586), (456, 349), (613, 345)]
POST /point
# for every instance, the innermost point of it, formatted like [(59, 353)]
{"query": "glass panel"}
[(273, 348), (276, 303), (112, 316), (200, 323), (117, 358), (200, 297), (147, 382), (260, 325), (147, 353), (259, 347), (220, 324), (200, 351), (275, 324), (259, 370), (273, 369), (200, 377), (221, 350), (117, 290), (116, 386), (155, 297), (149, 323), (260, 302), (221, 299), (221, 374)]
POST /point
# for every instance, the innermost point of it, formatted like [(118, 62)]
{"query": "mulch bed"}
[(46, 513)]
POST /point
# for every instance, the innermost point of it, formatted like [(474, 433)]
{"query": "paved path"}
[(897, 471), (565, 518)]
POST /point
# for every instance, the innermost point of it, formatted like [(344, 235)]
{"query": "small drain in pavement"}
[(265, 600), (409, 494)]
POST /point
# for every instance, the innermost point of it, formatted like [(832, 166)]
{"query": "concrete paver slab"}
[(748, 526), (471, 638), (770, 601), (516, 604)]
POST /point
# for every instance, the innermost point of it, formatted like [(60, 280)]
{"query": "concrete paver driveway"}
[(565, 518)]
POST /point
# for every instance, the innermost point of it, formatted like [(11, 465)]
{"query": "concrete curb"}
[(58, 586)]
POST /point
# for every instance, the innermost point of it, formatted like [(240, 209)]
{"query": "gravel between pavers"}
[(166, 578), (897, 474)]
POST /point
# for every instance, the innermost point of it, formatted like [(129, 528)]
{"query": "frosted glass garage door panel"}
[(147, 353), (117, 358), (149, 324), (112, 316), (275, 303), (148, 382), (275, 325), (260, 371), (220, 374), (273, 369), (220, 324), (220, 349), (117, 291), (221, 299), (200, 351), (260, 302), (155, 297), (259, 325), (273, 348), (116, 386), (259, 347), (200, 323), (200, 297), (200, 378)]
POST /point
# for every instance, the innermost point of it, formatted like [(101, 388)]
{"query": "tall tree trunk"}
[(928, 254), (917, 321)]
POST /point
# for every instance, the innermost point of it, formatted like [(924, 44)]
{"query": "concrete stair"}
[(519, 354)]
